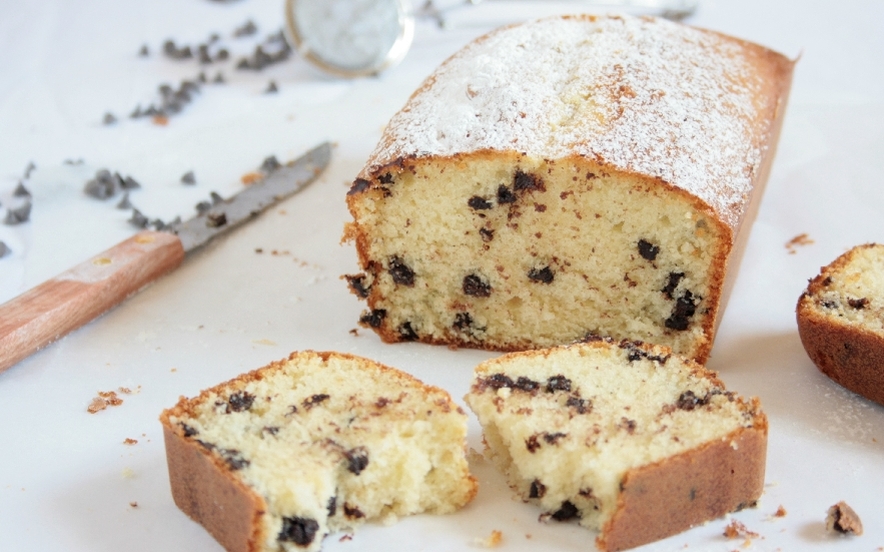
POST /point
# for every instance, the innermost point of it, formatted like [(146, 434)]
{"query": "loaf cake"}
[(278, 458), (629, 439), (568, 177), (841, 320)]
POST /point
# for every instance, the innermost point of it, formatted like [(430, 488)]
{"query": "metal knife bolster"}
[(253, 200)]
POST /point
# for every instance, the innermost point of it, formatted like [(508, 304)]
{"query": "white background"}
[(67, 479)]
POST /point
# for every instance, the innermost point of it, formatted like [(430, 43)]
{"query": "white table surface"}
[(67, 481)]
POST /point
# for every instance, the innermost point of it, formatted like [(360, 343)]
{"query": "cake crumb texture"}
[(840, 518), (278, 458), (628, 439)]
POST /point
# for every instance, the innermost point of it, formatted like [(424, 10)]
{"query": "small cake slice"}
[(629, 438), (276, 459), (841, 320)]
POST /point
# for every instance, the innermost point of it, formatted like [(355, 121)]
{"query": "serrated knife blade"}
[(64, 303)]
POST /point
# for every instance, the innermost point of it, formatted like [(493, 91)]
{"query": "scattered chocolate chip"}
[(269, 165), (505, 195), (566, 511), (188, 178), (109, 119), (673, 279), (103, 186), (124, 203), (582, 406), (138, 220), (216, 220), (298, 530), (216, 198), (496, 381), (627, 424), (233, 458), (527, 182), (373, 318), (203, 207), (475, 286), (272, 88), (314, 400), (537, 490), (18, 215), (386, 178), (73, 161), (219, 78), (246, 29), (543, 275), (332, 506), (478, 203), (647, 250), (462, 321), (553, 438), (359, 185), (239, 401), (353, 511), (532, 444), (4, 250), (402, 274), (144, 51), (558, 383), (685, 307), (357, 285), (407, 333), (357, 460), (271, 430), (487, 234), (129, 183), (635, 353), (525, 384), (689, 401), (858, 304)]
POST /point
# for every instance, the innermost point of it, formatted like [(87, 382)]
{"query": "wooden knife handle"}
[(64, 303)]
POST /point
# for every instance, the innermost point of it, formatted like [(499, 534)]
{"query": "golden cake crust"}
[(849, 353)]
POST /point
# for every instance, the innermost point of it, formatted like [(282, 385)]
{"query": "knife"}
[(64, 303)]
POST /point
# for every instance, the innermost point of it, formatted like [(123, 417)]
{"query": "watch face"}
[(350, 37)]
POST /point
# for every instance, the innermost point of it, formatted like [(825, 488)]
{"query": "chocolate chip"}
[(298, 530), (353, 511), (272, 88), (689, 401), (532, 444), (685, 307), (558, 383), (527, 182), (478, 203), (647, 250), (627, 424), (4, 250), (475, 286), (525, 384), (407, 333), (332, 506), (462, 321), (858, 304), (637, 353), (216, 198), (246, 29), (357, 285), (543, 275), (373, 318), (566, 511), (21, 191), (103, 186), (582, 406), (18, 215), (672, 283), (138, 220), (537, 490), (272, 430), (270, 164), (357, 460), (144, 51), (487, 234), (505, 195), (129, 183), (313, 400), (188, 431), (496, 381), (188, 178), (239, 401), (109, 119), (359, 185), (401, 272), (553, 438), (386, 178), (233, 458), (203, 207), (216, 220)]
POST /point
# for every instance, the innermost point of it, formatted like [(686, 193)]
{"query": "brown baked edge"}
[(849, 356), (204, 490), (673, 495)]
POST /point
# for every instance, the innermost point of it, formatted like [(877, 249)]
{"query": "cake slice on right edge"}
[(628, 438)]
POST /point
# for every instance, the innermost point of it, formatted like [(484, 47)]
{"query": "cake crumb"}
[(345, 538), (160, 120), (251, 177), (493, 540), (355, 332), (133, 504), (104, 400), (799, 240), (128, 473), (735, 530), (841, 518), (781, 512), (130, 441)]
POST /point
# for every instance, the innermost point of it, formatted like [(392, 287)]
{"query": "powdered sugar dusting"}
[(641, 94)]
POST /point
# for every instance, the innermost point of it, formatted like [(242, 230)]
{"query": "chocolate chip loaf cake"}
[(278, 458), (567, 177), (627, 438), (841, 320)]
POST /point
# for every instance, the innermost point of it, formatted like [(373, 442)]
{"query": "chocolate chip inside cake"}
[(841, 320), (568, 177), (627, 438), (278, 458)]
